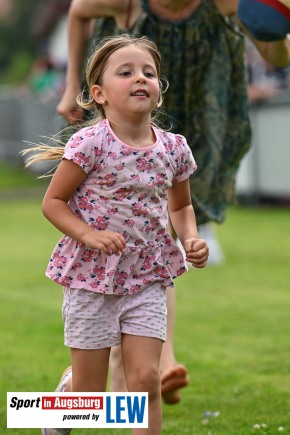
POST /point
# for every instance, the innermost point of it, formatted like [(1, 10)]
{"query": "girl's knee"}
[(147, 379)]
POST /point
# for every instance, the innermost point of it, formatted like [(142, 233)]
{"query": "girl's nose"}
[(140, 78)]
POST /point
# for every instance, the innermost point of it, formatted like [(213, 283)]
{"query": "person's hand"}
[(68, 107), (108, 242), (196, 252)]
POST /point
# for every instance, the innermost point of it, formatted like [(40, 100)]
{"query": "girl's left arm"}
[(182, 217)]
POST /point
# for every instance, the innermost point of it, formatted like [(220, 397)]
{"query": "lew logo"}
[(127, 409), (77, 410)]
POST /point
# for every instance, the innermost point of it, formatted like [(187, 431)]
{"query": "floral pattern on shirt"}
[(125, 191)]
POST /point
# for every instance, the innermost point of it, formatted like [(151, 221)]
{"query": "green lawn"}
[(232, 326), (15, 176)]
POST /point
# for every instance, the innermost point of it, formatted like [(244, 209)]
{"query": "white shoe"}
[(67, 374)]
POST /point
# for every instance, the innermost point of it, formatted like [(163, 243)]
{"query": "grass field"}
[(232, 325)]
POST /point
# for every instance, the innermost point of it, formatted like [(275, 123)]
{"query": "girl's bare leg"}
[(174, 376), (90, 369), (141, 357), (90, 372)]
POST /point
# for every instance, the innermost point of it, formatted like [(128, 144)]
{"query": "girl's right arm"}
[(64, 183)]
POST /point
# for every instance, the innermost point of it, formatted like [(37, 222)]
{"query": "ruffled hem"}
[(128, 273)]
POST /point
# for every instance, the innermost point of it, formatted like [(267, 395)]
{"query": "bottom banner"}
[(77, 410)]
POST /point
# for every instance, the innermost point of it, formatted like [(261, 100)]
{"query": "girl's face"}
[(130, 83)]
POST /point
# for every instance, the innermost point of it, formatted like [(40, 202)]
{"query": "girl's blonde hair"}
[(98, 60), (96, 66)]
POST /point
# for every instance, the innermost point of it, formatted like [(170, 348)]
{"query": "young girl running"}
[(110, 196)]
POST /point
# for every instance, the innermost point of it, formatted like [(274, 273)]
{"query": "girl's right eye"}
[(125, 73)]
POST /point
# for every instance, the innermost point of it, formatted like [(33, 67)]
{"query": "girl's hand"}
[(196, 252), (108, 242)]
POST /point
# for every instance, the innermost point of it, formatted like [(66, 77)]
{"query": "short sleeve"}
[(84, 148), (185, 163)]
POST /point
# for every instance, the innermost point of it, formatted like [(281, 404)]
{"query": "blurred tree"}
[(17, 45), (24, 29)]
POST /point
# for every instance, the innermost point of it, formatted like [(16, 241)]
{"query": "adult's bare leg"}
[(174, 376), (117, 376)]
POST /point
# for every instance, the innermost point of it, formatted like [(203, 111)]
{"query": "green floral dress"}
[(203, 60)]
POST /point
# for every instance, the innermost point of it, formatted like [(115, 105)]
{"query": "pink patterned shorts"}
[(96, 321)]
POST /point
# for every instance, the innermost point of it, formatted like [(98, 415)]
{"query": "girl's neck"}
[(174, 9), (136, 135)]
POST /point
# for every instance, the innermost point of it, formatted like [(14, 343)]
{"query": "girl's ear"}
[(97, 94)]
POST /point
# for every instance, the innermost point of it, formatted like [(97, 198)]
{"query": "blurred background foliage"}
[(17, 42), (24, 26)]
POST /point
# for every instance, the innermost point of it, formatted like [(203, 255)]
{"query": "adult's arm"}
[(277, 52), (81, 17)]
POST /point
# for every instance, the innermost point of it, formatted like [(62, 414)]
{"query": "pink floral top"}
[(125, 191)]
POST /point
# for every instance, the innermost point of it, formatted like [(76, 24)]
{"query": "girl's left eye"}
[(149, 74)]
